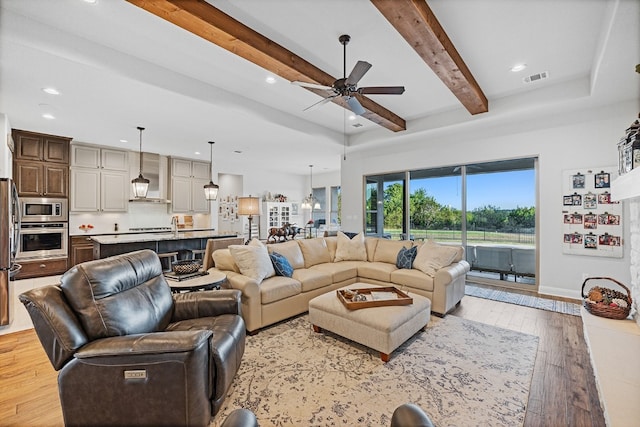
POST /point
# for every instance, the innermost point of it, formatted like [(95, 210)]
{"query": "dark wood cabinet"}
[(35, 179), (80, 250), (41, 164), (42, 268)]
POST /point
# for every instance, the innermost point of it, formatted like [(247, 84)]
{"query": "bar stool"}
[(166, 259), (197, 253)]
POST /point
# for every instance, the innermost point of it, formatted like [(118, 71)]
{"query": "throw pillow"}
[(350, 249), (253, 260), (281, 265), (431, 257), (406, 257)]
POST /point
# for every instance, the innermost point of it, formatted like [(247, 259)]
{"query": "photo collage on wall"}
[(592, 221), (228, 209)]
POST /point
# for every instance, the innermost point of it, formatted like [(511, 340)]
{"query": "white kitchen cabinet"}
[(274, 214), (188, 179), (99, 179)]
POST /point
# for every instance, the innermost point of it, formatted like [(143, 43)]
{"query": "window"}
[(336, 206), (487, 207)]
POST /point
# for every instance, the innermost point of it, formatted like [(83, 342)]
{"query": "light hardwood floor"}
[(563, 390)]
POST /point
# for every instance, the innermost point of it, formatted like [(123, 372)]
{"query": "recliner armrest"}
[(193, 305), (142, 344)]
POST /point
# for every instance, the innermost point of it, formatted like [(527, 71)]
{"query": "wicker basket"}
[(187, 266), (602, 308)]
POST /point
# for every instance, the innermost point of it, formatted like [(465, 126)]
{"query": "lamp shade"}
[(248, 206), (140, 186)]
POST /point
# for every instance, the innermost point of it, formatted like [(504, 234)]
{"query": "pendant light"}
[(140, 184), (310, 202), (211, 189)]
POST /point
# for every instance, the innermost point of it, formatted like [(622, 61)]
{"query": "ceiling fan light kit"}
[(347, 87)]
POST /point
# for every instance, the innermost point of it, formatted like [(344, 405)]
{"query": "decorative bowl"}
[(187, 266)]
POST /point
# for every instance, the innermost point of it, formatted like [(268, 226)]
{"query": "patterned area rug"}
[(525, 300), (462, 373)]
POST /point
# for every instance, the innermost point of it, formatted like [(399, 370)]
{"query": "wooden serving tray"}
[(402, 298)]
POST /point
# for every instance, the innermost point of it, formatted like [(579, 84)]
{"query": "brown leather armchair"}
[(129, 351)]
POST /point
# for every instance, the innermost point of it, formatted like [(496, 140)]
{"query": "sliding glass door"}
[(487, 207)]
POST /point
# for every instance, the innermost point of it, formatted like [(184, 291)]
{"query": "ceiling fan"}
[(347, 87)]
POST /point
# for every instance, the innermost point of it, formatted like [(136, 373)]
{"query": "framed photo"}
[(567, 200), (608, 240), (590, 201), (602, 180), (577, 199), (578, 180), (575, 238), (590, 241), (604, 198), (574, 218), (590, 221), (294, 208)]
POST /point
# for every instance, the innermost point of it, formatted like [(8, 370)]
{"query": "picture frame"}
[(590, 241), (578, 180), (590, 201), (604, 198), (602, 180)]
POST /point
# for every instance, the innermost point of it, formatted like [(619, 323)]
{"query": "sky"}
[(505, 190)]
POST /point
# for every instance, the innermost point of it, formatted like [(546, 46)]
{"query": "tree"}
[(393, 206), (522, 217), (424, 209)]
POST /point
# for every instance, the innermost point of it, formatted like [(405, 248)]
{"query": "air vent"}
[(357, 125), (535, 77)]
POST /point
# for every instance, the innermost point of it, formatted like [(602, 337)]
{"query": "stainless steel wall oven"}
[(43, 240)]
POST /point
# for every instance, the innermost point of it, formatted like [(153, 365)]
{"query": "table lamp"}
[(249, 206)]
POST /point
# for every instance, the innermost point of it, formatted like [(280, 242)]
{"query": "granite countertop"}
[(110, 239)]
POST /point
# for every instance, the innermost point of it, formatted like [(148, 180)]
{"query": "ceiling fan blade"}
[(319, 103), (355, 105), (381, 90), (358, 71), (312, 85)]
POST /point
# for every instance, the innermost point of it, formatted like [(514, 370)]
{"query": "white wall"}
[(6, 166), (578, 140)]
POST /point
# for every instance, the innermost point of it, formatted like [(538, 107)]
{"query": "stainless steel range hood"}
[(154, 172)]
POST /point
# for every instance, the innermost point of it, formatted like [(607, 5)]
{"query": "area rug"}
[(462, 373), (525, 300)]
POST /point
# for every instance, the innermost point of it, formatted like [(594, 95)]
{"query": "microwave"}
[(43, 209)]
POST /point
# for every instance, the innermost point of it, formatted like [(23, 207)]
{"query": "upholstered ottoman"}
[(381, 328)]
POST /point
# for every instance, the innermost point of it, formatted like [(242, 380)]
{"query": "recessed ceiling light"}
[(91, 1), (51, 91), (518, 67), (352, 117), (48, 116), (270, 79), (197, 153), (124, 141), (237, 151)]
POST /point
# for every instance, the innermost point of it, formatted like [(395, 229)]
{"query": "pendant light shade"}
[(140, 184), (211, 189), (310, 202)]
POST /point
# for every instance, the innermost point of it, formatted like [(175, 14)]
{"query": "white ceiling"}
[(118, 67)]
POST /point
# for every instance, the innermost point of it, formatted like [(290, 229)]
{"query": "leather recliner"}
[(129, 352)]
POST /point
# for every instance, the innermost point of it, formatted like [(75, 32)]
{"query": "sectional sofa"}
[(323, 264)]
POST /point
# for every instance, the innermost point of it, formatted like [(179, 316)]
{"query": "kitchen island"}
[(183, 242)]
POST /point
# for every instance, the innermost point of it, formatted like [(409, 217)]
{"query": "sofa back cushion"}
[(121, 295), (314, 251), (332, 245), (253, 260), (223, 260), (431, 257), (350, 249), (370, 243), (291, 251), (387, 250)]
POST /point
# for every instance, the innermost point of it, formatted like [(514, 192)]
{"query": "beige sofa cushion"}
[(413, 278), (311, 279), (370, 243), (277, 288), (253, 260), (314, 251), (339, 271), (291, 251), (387, 250), (223, 260), (376, 270), (350, 249), (332, 245), (432, 256)]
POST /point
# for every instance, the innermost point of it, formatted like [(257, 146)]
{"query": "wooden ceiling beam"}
[(415, 21), (210, 23)]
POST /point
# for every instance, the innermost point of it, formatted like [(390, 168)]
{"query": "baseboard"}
[(559, 292)]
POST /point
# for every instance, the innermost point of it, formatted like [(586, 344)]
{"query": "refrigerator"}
[(9, 234)]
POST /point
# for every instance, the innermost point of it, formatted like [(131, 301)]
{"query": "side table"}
[(206, 282)]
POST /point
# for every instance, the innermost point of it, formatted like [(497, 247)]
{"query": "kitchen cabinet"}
[(274, 214), (40, 268), (188, 179), (99, 179), (80, 250), (41, 164)]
